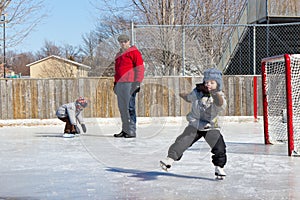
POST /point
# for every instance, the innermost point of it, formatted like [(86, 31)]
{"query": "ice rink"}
[(38, 163)]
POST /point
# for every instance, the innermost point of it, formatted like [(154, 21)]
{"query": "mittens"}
[(135, 87), (202, 88), (83, 128), (77, 129), (184, 96)]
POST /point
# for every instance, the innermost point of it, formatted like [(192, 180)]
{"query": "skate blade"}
[(68, 135), (295, 154), (220, 177), (164, 166)]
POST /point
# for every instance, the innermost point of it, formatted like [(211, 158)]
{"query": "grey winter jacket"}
[(69, 110), (204, 112)]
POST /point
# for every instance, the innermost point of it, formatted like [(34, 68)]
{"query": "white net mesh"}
[(295, 73), (275, 70), (276, 98)]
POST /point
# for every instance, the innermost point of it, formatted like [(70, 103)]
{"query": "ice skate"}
[(76, 134), (166, 164), (68, 135), (219, 172)]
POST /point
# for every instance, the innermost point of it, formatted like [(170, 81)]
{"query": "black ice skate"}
[(166, 164)]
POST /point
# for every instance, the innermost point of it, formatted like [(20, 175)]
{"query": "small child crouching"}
[(70, 113)]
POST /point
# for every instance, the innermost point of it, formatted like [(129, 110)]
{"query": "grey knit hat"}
[(123, 37), (213, 74)]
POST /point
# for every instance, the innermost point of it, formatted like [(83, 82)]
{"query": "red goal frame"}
[(289, 103)]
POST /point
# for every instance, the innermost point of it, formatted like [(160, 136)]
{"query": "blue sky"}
[(65, 24)]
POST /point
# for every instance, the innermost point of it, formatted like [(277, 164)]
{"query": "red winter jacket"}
[(129, 66)]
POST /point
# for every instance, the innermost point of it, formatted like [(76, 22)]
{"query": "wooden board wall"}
[(39, 98)]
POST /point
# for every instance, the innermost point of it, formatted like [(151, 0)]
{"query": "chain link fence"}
[(175, 50)]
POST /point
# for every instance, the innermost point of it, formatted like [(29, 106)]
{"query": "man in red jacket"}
[(129, 73)]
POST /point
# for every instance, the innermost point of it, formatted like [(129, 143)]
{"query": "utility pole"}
[(4, 56)]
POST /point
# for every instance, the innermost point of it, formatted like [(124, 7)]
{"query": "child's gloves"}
[(202, 88), (135, 87), (184, 96), (77, 129), (83, 128), (218, 99)]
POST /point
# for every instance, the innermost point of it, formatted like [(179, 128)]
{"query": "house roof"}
[(59, 58)]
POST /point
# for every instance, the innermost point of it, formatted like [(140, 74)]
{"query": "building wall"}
[(54, 68), (262, 10)]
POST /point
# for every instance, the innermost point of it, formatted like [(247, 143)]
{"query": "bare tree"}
[(71, 52), (161, 45), (204, 45), (88, 49), (21, 17), (49, 49), (90, 43), (18, 62), (101, 45)]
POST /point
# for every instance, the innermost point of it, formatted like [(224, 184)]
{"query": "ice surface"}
[(38, 163)]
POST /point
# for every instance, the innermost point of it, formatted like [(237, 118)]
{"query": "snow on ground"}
[(38, 163)]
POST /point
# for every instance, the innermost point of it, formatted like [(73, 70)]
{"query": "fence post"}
[(183, 50), (255, 98), (132, 33)]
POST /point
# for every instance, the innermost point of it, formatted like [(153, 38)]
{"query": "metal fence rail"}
[(237, 49)]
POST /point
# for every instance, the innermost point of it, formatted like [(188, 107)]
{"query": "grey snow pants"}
[(190, 135)]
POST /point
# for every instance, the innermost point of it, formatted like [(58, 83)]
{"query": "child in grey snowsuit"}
[(207, 101), (70, 113)]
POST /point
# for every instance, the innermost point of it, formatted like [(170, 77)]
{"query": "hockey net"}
[(281, 100)]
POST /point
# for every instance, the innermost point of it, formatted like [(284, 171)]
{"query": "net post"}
[(265, 102), (289, 104), (255, 98)]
